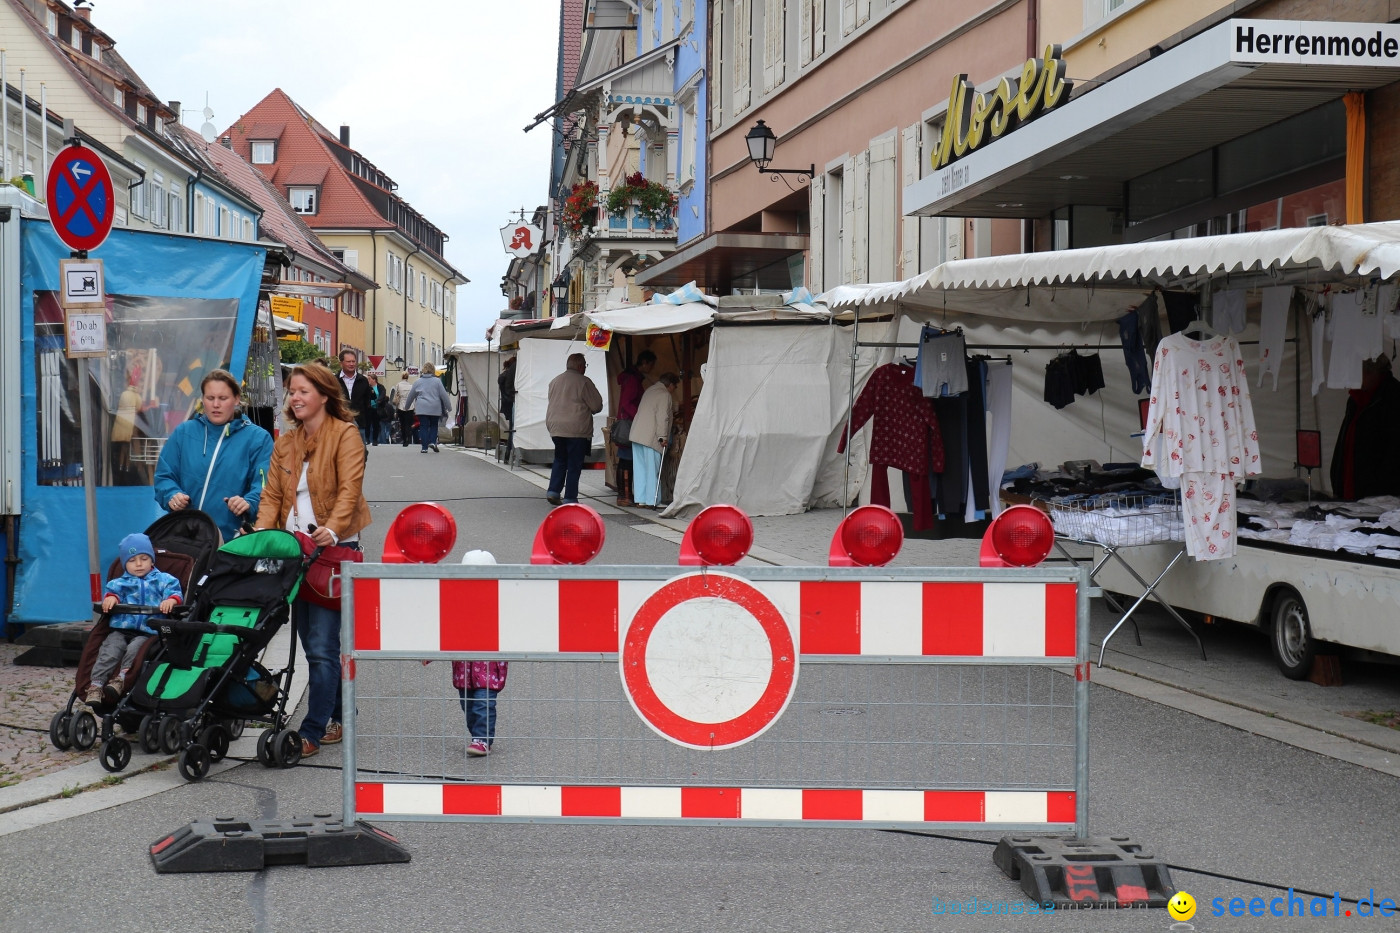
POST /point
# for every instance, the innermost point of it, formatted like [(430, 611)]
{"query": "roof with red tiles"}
[(306, 146), (570, 43), (279, 222)]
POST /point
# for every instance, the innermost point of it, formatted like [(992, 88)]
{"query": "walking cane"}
[(660, 467)]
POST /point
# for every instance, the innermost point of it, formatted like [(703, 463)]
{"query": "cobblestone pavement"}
[(29, 696)]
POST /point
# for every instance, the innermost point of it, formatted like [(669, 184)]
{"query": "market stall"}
[(177, 307), (1303, 307)]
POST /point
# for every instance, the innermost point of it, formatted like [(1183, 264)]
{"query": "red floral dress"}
[(467, 675), (904, 420)]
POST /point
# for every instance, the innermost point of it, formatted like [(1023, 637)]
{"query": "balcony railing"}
[(632, 225)]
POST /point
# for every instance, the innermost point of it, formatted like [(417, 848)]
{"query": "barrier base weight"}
[(1098, 871), (227, 844)]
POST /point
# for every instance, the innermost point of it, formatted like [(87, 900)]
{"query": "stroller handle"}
[(125, 609)]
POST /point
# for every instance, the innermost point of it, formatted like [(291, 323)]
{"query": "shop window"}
[(159, 349)]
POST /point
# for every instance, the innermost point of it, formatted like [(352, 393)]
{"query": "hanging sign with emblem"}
[(521, 239)]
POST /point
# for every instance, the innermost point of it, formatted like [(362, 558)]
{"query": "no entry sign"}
[(709, 661), (80, 197)]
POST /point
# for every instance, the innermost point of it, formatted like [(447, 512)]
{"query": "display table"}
[(1117, 525)]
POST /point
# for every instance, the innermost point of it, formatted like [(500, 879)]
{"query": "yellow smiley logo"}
[(1182, 906)]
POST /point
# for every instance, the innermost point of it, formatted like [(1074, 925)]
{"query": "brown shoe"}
[(333, 734), (93, 696), (308, 749)]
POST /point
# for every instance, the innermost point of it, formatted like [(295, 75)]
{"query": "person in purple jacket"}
[(477, 684)]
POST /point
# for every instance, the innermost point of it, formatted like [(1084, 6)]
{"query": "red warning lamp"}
[(423, 533), (871, 536), (571, 534), (1022, 536), (719, 536)]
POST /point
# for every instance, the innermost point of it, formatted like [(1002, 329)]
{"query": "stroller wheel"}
[(286, 747), (215, 738), (58, 730), (116, 752), (265, 749), (150, 734), (235, 728), (83, 730), (169, 732), (194, 762)]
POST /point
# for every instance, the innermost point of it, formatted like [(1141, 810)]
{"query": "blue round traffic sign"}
[(81, 199)]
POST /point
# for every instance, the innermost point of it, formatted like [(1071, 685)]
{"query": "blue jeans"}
[(427, 429), (479, 703), (319, 631), (568, 463)]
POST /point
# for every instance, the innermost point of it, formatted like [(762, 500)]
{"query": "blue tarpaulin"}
[(52, 581)]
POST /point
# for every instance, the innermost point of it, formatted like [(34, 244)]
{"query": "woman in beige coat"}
[(651, 432)]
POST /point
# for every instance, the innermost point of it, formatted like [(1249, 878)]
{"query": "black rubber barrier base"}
[(227, 844), (1098, 871)]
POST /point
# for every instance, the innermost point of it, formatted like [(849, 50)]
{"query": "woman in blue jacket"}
[(216, 461)]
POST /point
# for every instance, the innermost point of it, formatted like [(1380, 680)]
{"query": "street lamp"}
[(559, 293), (762, 143)]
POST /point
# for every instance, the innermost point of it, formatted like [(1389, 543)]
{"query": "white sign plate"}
[(81, 283)]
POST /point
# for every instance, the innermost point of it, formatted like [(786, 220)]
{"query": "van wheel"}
[(1291, 635)]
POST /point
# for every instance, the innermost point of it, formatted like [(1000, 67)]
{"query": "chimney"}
[(226, 141), (82, 10), (174, 106), (344, 135)]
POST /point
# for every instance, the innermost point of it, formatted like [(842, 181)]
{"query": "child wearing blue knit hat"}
[(141, 585)]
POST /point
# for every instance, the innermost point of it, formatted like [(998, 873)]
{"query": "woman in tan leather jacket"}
[(314, 486)]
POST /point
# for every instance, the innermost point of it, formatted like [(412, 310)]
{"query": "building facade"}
[(410, 318), (73, 69)]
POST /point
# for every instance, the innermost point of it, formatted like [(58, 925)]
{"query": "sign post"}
[(81, 203)]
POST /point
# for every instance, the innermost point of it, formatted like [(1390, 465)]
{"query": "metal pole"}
[(1081, 707), (43, 179), (850, 411), (23, 126), (347, 693), (4, 117), (87, 426)]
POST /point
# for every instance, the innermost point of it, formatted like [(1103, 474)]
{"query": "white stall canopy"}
[(477, 367)]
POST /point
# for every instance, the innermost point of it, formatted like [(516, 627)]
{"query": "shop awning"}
[(310, 289), (753, 260), (1097, 283), (285, 325), (1212, 88)]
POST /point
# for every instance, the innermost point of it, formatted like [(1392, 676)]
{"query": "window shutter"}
[(909, 171), (804, 31), (884, 197), (774, 29), (743, 54), (860, 219), (848, 214), (862, 12), (817, 230), (818, 27), (848, 17), (717, 66)]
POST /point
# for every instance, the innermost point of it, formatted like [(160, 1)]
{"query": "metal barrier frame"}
[(1078, 577)]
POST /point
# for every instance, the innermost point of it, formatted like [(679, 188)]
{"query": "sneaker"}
[(435, 448), (554, 498), (112, 693), (333, 734), (308, 748), (94, 695), (478, 748)]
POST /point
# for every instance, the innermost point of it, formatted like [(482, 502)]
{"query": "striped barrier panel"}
[(909, 672)]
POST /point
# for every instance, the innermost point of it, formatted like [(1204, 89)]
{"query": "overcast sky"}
[(435, 94)]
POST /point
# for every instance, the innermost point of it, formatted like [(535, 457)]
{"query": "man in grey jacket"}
[(573, 401)]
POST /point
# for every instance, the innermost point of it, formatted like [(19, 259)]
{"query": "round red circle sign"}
[(80, 198), (708, 661)]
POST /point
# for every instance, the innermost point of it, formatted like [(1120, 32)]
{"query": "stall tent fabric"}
[(770, 415), (51, 585), (477, 366), (536, 365)]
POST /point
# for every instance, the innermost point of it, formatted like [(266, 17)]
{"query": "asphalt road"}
[(1202, 795)]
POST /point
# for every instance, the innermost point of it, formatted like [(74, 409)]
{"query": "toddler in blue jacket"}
[(141, 585)]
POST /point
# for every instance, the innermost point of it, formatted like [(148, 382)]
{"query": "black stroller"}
[(185, 542), (207, 681)]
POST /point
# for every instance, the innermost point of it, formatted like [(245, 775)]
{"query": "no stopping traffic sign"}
[(80, 198), (708, 661)]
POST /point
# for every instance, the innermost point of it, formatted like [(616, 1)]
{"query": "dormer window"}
[(51, 21), (303, 199), (264, 151), (140, 112)]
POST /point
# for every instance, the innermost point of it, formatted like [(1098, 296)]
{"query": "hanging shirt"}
[(1227, 310), (1200, 428), (906, 434), (1355, 335)]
